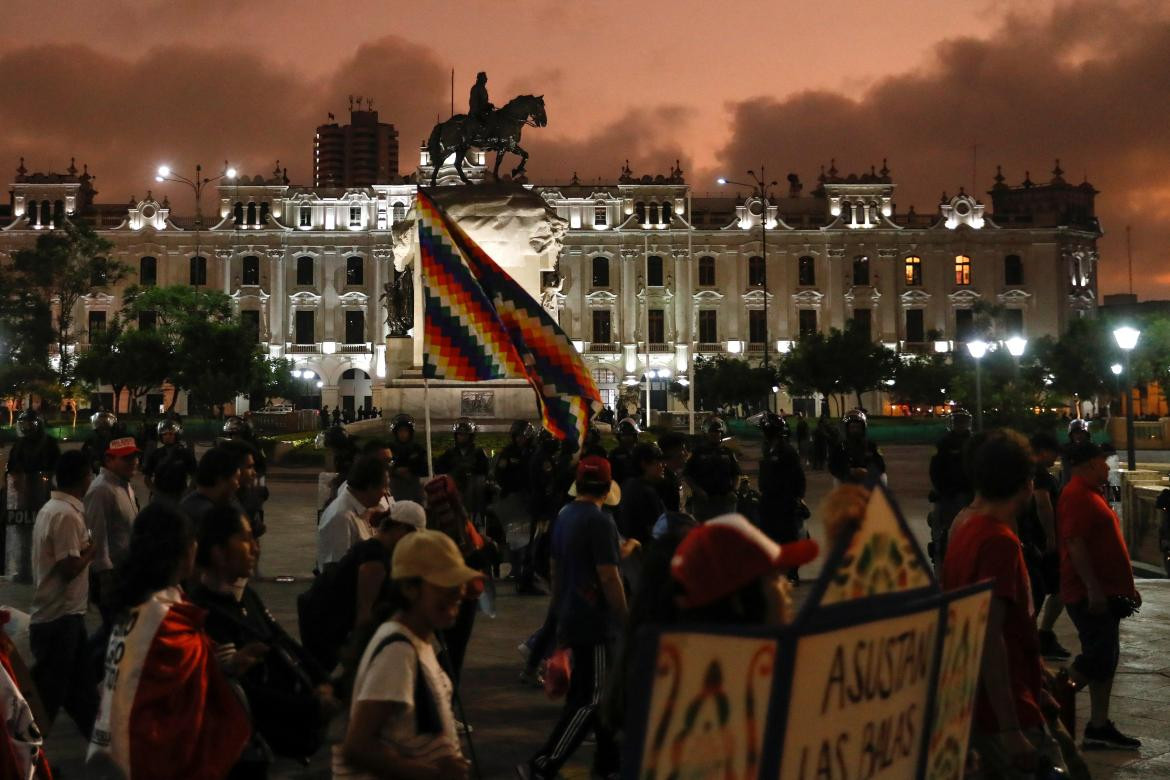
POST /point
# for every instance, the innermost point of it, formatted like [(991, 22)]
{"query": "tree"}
[(725, 380), (924, 380), (214, 361), (1077, 364), (836, 364), (270, 378), (63, 266), (26, 338), (864, 365), (127, 359)]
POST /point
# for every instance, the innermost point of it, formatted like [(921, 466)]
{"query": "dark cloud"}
[(1088, 83)]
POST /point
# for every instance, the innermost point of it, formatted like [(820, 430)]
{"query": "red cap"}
[(120, 448), (728, 552), (594, 468)]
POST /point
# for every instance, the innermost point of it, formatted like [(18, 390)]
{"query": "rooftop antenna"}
[(351, 102), (974, 164), (1129, 254)]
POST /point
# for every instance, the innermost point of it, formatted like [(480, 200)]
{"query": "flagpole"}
[(427, 424), (646, 305), (693, 315)]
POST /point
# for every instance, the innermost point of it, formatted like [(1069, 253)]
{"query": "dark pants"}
[(580, 716), (62, 671), (540, 644), (456, 638), (1100, 637)]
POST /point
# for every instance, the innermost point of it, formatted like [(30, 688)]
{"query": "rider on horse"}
[(480, 108)]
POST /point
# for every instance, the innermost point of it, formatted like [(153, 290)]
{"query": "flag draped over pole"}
[(480, 324)]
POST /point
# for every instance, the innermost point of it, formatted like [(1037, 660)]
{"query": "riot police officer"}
[(239, 436), (237, 428), (713, 473), (621, 458), (856, 458), (35, 451), (546, 497), (592, 444), (510, 471), (408, 464), (950, 480), (782, 483), (106, 428), (467, 463), (170, 447), (31, 464)]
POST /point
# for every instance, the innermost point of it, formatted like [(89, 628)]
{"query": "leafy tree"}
[(864, 365), (127, 359), (270, 378), (924, 380), (836, 364), (1077, 364), (214, 361), (26, 338), (63, 266), (723, 380)]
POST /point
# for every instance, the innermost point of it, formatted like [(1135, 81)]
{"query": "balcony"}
[(756, 347), (710, 346), (603, 347), (360, 348), (661, 347), (304, 349)]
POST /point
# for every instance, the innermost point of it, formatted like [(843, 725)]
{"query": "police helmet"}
[(236, 426), (464, 425), (959, 415), (169, 426), (627, 427), (773, 425), (402, 421), (103, 421), (336, 438), (1079, 425), (28, 423), (855, 416), (547, 442), (716, 425), (592, 437), (522, 428)]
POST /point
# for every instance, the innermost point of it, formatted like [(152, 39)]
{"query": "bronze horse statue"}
[(499, 133)]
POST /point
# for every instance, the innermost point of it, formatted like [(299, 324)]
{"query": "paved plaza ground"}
[(511, 721)]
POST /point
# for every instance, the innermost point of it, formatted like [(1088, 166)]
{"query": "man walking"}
[(1096, 585), (110, 509), (590, 605), (61, 554)]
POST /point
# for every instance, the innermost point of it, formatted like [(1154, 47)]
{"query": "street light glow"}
[(1127, 337), (1016, 345), (164, 171), (230, 173), (1116, 369), (977, 349), (721, 180)]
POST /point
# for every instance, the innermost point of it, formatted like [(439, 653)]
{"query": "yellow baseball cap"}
[(433, 557)]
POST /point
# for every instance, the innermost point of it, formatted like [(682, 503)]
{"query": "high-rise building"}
[(359, 154)]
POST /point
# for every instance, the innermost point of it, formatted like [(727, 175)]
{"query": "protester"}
[(641, 504), (343, 597), (288, 697), (350, 518), (251, 494), (1014, 713), (1039, 532), (170, 483), (217, 482), (62, 551), (590, 605), (110, 508), (401, 719), (167, 710), (1096, 585)]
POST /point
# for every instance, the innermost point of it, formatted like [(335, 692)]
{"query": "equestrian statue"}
[(485, 127)]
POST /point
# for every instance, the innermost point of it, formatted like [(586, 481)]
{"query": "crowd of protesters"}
[(190, 676)]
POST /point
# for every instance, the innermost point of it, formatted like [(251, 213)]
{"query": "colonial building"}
[(650, 273)]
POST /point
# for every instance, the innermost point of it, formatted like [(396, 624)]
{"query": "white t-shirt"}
[(59, 533), (342, 526), (390, 676)]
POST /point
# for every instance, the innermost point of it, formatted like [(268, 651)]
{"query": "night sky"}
[(944, 91)]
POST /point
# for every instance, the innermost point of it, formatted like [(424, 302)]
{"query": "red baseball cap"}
[(120, 448), (595, 470), (728, 552)]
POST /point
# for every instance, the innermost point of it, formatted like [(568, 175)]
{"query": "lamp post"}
[(1127, 339), (977, 350), (760, 189), (197, 184)]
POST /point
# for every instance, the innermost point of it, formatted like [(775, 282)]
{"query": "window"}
[(601, 272), (708, 326), (654, 271), (250, 320), (861, 270), (251, 213), (915, 328), (305, 330), (355, 216), (304, 271), (306, 216), (251, 271), (1011, 321), (657, 329), (147, 320), (354, 271), (706, 271), (964, 324), (653, 214), (602, 331), (756, 273), (355, 327), (806, 271), (238, 213), (913, 271), (97, 275), (808, 322), (667, 213), (264, 213), (640, 212), (757, 327), (599, 215), (399, 212), (148, 272), (198, 271), (863, 322), (604, 376), (97, 324), (962, 270), (1013, 271)]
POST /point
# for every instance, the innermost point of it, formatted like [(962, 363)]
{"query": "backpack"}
[(426, 710)]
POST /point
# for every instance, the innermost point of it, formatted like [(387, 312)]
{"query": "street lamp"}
[(977, 350), (1016, 345), (165, 173), (1127, 339), (759, 187)]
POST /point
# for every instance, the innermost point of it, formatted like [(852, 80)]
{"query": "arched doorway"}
[(356, 391)]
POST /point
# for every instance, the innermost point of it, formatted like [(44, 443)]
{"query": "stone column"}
[(277, 301)]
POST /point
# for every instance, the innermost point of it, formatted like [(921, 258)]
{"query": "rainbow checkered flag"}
[(480, 324)]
